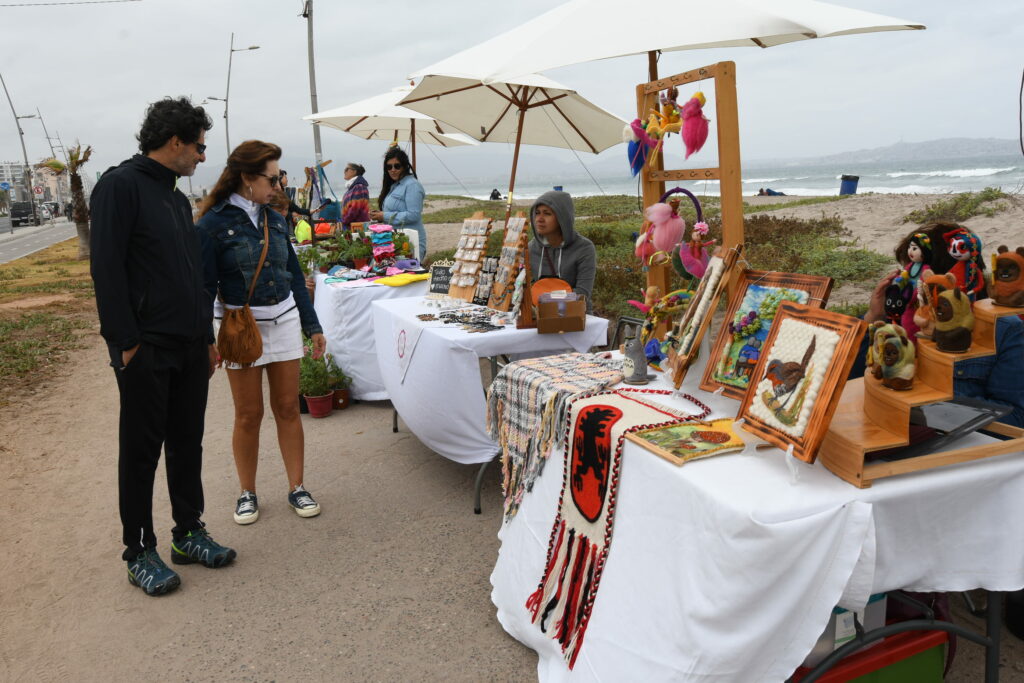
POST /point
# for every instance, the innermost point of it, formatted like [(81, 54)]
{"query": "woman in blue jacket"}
[(401, 197), (231, 229)]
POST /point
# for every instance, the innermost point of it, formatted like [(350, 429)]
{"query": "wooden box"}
[(550, 321)]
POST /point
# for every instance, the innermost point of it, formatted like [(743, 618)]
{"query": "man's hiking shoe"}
[(247, 509), (197, 546), (302, 502), (148, 572)]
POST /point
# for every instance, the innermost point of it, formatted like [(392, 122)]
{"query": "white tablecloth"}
[(441, 399), (727, 569), (345, 315)]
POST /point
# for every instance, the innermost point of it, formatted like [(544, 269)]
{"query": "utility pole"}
[(27, 176), (307, 12), (53, 153)]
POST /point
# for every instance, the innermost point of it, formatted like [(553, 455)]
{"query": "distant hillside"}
[(947, 148)]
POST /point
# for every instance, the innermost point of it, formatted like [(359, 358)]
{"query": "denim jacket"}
[(403, 208), (231, 247), (998, 378)]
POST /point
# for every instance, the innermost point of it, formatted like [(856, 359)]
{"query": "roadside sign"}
[(38, 189), (5, 186)]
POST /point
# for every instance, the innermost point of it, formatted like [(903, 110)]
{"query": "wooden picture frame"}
[(517, 234), (682, 442), (732, 360), (693, 324), (800, 376)]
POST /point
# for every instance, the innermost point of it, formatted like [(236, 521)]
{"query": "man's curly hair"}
[(170, 117)]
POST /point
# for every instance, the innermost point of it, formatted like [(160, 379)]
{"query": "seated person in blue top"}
[(401, 197), (557, 250), (231, 230)]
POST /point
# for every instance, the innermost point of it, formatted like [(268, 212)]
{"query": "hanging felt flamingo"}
[(695, 125), (694, 254)]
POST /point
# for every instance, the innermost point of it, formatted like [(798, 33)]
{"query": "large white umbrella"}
[(528, 110), (586, 30), (381, 118)]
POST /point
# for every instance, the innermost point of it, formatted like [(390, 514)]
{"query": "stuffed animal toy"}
[(954, 320), (693, 255), (896, 301), (924, 314), (1008, 277), (666, 227), (965, 248), (891, 356), (695, 125)]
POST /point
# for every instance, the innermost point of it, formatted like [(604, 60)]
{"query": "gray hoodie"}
[(575, 261)]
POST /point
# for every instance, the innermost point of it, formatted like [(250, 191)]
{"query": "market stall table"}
[(441, 397), (345, 314), (727, 569)]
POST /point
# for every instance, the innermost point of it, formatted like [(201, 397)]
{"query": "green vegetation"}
[(467, 208), (856, 310), (960, 207)]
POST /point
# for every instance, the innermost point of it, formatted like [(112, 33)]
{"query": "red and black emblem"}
[(591, 458)]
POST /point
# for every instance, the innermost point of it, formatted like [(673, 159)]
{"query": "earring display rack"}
[(871, 417), (469, 256), (516, 238)]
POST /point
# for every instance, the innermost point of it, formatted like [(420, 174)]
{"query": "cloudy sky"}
[(91, 70)]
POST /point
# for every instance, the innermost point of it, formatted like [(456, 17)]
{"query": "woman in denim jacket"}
[(231, 232), (401, 197)]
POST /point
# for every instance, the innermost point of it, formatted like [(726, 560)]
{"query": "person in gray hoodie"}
[(557, 250)]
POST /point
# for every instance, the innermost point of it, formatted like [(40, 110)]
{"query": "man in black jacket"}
[(156, 318)]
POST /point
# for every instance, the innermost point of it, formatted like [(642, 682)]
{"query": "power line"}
[(468, 194), (79, 2)]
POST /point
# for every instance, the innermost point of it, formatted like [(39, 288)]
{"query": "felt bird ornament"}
[(651, 297), (636, 149), (694, 124), (666, 227)]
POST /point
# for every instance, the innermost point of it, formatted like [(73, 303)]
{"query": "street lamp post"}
[(227, 90), (53, 153), (27, 176)]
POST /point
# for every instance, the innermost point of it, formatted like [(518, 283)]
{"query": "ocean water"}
[(941, 176)]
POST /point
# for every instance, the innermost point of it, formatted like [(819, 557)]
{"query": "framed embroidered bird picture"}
[(799, 377)]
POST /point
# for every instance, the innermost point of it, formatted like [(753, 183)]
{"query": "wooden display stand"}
[(466, 292), (871, 417), (501, 290), (727, 172)]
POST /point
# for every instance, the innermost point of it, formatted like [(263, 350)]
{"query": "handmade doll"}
[(694, 254), (1008, 277), (667, 227), (924, 313), (896, 303), (965, 248), (891, 356), (651, 297), (634, 364), (954, 319)]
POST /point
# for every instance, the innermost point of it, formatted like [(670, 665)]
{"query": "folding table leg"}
[(479, 485), (993, 627), (394, 420)]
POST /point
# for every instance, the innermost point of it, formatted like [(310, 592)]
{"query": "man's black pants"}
[(163, 404)]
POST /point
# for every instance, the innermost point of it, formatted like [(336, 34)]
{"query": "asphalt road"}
[(29, 239)]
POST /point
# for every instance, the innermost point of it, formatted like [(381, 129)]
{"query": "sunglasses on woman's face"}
[(274, 179), (394, 167)]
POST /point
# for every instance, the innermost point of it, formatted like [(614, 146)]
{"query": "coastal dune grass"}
[(960, 207)]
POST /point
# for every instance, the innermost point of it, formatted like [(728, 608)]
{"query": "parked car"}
[(21, 214)]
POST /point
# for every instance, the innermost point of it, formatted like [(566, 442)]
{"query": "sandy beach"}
[(391, 582)]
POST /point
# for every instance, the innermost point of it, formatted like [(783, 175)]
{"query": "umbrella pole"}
[(412, 137), (515, 163)]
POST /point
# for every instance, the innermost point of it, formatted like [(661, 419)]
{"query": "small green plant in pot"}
[(315, 384), (361, 252), (340, 382)]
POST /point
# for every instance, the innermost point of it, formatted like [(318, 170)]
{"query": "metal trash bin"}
[(848, 184)]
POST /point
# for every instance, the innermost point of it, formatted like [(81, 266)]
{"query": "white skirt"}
[(282, 337)]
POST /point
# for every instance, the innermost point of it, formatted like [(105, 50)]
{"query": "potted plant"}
[(315, 384), (361, 252), (340, 382)]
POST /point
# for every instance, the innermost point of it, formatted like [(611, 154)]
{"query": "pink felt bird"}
[(695, 125), (693, 255), (668, 227)]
